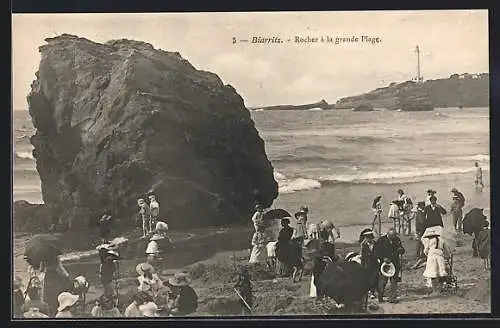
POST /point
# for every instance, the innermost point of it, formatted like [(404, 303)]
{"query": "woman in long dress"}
[(283, 247), (438, 255), (259, 242)]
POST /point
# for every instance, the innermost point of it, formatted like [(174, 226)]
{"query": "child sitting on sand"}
[(244, 287)]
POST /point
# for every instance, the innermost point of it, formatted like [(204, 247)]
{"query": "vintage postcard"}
[(250, 164)]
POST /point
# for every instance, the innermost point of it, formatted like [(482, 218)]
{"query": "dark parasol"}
[(276, 214), (42, 248), (474, 220)]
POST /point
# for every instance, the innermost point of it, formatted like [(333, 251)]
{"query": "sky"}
[(451, 41)]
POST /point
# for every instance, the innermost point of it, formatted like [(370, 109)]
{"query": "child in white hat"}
[(67, 305)]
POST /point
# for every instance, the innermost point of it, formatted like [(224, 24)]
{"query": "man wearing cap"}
[(108, 268), (258, 217), (458, 202), (434, 214), (389, 249), (368, 259)]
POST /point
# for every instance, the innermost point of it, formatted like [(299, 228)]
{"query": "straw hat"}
[(366, 232), (353, 256), (156, 237), (179, 279), (144, 267), (149, 309), (152, 248), (388, 269), (66, 300), (161, 226), (432, 232)]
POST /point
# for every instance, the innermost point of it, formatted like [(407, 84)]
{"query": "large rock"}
[(115, 121)]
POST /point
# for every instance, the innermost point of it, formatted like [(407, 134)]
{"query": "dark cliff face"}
[(117, 120)]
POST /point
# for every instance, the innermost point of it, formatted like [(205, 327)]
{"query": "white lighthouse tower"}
[(419, 77)]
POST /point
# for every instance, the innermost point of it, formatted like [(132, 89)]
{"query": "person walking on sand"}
[(479, 177), (458, 202), (368, 259), (438, 255), (395, 215), (377, 215), (259, 242), (419, 232), (144, 215), (300, 231), (258, 216), (389, 249), (434, 214), (154, 212)]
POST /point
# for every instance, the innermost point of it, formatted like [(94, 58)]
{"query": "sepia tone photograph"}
[(250, 164)]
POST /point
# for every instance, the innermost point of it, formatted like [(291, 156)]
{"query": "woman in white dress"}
[(438, 254), (259, 242)]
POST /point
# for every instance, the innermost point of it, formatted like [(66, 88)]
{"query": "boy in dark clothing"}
[(389, 249), (433, 214), (244, 287), (456, 209)]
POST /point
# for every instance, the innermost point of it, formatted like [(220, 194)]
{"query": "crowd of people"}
[(279, 244), (52, 293), (378, 252)]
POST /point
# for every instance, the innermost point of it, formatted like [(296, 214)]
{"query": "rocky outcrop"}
[(317, 105), (115, 121), (467, 90)]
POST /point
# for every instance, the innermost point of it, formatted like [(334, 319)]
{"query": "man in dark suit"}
[(434, 214), (389, 249)]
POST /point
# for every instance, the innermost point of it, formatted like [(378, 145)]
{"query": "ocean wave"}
[(287, 186), (478, 158), (394, 177), (24, 155), (300, 159)]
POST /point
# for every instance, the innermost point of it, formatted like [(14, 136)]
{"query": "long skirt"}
[(312, 289), (259, 254), (436, 265)]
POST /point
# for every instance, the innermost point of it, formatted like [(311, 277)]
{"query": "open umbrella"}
[(42, 248), (276, 214), (474, 220)]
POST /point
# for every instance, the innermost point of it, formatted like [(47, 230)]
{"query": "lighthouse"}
[(419, 78)]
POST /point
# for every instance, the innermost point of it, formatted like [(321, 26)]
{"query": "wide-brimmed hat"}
[(454, 190), (351, 256), (149, 309), (388, 269), (66, 300), (366, 232), (144, 267), (161, 226), (179, 279), (432, 232), (156, 237)]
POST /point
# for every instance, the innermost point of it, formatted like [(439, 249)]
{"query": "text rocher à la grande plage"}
[(320, 39)]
